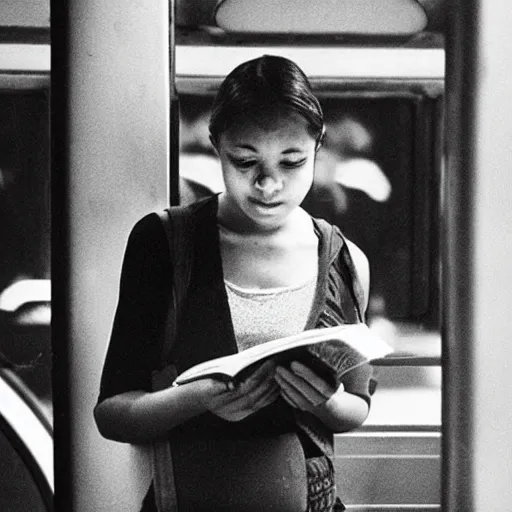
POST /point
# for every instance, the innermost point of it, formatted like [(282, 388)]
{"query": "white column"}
[(478, 264), (118, 132), (493, 259)]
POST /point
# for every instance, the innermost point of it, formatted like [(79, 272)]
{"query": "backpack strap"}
[(177, 224), (357, 287), (339, 246)]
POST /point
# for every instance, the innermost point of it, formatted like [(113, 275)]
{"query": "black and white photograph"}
[(255, 255)]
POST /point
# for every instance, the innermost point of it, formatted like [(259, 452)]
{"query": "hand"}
[(245, 398), (302, 388)]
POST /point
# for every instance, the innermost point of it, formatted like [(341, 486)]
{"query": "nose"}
[(268, 184)]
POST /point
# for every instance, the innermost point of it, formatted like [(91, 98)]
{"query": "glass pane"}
[(25, 236), (376, 178), (18, 489), (407, 396)]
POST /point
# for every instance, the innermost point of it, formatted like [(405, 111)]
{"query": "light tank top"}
[(261, 315)]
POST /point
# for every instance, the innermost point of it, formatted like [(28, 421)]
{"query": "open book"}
[(349, 345)]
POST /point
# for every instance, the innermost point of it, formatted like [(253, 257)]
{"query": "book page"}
[(357, 336)]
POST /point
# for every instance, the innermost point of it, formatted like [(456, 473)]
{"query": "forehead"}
[(270, 127)]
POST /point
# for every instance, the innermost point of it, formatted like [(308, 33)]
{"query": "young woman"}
[(262, 269)]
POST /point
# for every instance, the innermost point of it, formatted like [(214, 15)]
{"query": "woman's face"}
[(268, 168)]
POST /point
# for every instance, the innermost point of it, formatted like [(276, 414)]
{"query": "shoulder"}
[(362, 266), (358, 257), (149, 236), (147, 242), (147, 229), (360, 260)]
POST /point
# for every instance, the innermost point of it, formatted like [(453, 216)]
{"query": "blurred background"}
[(378, 177), (25, 237), (26, 411)]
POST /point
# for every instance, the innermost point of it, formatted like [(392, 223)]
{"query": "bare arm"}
[(342, 411), (139, 416), (338, 409)]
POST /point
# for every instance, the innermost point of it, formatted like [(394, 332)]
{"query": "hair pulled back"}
[(261, 87)]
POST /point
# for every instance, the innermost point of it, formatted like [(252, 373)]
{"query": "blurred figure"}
[(200, 170), (379, 321), (342, 164)]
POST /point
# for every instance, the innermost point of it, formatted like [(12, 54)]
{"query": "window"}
[(26, 445), (25, 233), (378, 177)]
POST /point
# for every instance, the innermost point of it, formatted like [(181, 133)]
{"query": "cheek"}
[(305, 180), (234, 181)]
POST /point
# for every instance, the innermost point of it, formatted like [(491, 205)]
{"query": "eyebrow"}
[(292, 150), (285, 152), (246, 146)]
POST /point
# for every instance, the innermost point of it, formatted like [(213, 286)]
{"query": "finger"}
[(213, 387), (241, 398), (263, 375), (263, 371), (298, 388), (302, 370), (287, 398), (291, 400), (266, 399), (241, 406), (292, 393), (313, 380), (260, 393), (311, 377), (227, 393)]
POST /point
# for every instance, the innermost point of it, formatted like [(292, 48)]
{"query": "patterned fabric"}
[(321, 485)]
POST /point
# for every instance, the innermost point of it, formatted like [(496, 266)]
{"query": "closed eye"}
[(291, 164), (242, 163)]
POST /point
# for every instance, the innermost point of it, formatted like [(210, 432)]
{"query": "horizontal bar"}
[(324, 62), (408, 360), (25, 57), (391, 508)]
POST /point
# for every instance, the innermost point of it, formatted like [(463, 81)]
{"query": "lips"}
[(265, 204)]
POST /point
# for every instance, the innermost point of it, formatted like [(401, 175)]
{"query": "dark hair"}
[(262, 86)]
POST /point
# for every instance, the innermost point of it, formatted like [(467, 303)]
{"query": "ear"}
[(321, 139), (214, 145)]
